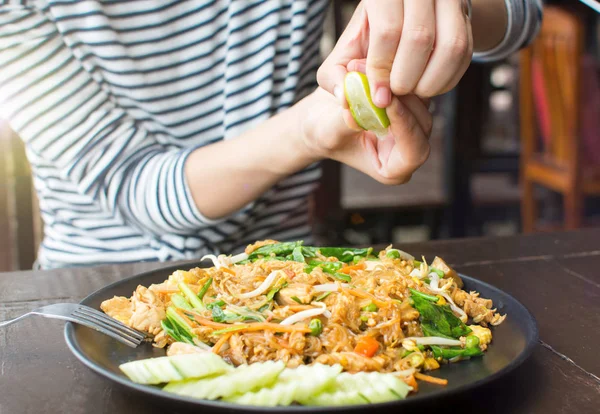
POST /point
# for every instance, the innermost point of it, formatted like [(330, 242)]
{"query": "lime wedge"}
[(365, 113)]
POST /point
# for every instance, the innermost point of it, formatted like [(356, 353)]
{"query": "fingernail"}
[(338, 92), (400, 109), (383, 97)]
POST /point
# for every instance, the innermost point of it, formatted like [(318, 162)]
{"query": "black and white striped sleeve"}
[(524, 19), (67, 119)]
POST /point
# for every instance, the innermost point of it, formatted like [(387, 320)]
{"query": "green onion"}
[(179, 325), (342, 276), (438, 271), (180, 302), (191, 296), (205, 288), (371, 307), (472, 341), (316, 327), (296, 299), (323, 296)]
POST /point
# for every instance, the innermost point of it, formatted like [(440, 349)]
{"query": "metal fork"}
[(92, 318)]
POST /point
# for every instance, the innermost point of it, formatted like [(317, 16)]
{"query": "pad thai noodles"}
[(385, 312)]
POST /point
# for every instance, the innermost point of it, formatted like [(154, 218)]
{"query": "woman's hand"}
[(420, 47), (329, 131)]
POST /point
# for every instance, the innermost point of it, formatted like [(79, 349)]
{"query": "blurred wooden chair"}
[(550, 111)]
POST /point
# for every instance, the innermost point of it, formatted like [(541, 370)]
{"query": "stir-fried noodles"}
[(301, 305)]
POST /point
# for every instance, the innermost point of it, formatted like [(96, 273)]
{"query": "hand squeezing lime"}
[(365, 113)]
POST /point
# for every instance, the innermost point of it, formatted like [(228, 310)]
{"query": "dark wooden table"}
[(555, 275)]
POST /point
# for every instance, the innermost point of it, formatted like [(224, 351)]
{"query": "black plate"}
[(513, 342)]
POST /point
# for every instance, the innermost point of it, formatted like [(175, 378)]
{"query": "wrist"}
[(290, 146)]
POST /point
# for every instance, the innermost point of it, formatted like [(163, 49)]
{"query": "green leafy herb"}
[(277, 249), (438, 320), (342, 276), (431, 298), (329, 268), (276, 289), (297, 254), (316, 327), (453, 352), (343, 254), (218, 315), (205, 288), (218, 303)]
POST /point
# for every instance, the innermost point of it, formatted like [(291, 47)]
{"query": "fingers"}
[(416, 45), (458, 76), (452, 49), (420, 110), (385, 19), (351, 45), (407, 147)]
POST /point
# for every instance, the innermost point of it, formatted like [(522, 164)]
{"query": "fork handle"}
[(11, 321)]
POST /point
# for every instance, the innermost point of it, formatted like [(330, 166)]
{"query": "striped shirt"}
[(110, 97)]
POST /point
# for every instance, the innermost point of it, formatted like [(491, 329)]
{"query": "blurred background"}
[(515, 148)]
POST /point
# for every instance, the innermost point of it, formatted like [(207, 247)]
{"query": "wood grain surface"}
[(555, 275)]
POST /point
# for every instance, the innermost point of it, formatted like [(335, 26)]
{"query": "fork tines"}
[(104, 321)]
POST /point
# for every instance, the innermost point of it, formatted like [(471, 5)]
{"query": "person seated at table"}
[(164, 130)]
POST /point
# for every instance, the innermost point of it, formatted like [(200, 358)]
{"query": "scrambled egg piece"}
[(484, 335)]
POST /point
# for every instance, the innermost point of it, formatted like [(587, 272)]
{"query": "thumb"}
[(351, 45)]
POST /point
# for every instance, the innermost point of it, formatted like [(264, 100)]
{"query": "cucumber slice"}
[(297, 384), (360, 388), (244, 378), (174, 368)]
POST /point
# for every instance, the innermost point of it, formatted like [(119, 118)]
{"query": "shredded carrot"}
[(165, 290), (266, 326), (185, 317), (217, 347), (430, 379), (411, 382), (248, 327), (363, 294), (227, 270), (206, 322), (346, 270)]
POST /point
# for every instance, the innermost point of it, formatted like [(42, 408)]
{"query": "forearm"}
[(226, 176), (489, 21)]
